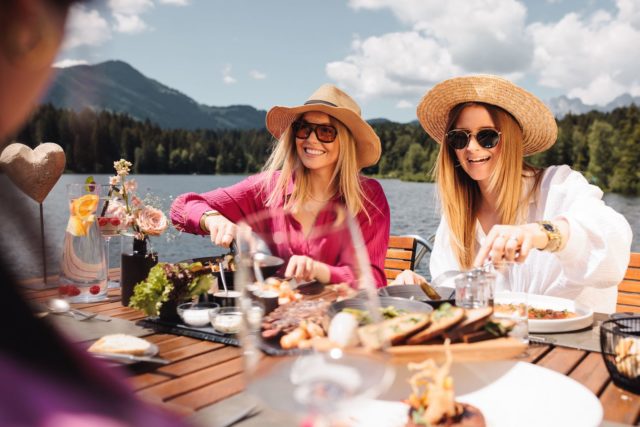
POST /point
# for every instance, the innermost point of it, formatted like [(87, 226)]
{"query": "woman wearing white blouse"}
[(497, 207)]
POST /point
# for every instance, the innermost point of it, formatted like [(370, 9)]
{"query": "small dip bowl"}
[(196, 313), (226, 320), (227, 299)]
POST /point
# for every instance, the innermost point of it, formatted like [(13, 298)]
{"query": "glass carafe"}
[(83, 275)]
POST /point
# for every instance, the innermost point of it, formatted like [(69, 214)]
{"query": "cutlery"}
[(132, 358), (61, 306)]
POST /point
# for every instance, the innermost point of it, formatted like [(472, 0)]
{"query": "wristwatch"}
[(553, 235), (203, 219)]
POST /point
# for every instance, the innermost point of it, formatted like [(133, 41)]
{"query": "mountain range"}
[(118, 87), (563, 105)]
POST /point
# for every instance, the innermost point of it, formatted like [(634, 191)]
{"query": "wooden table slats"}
[(202, 373)]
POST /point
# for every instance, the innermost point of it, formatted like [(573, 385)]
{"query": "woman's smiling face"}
[(478, 162), (316, 155)]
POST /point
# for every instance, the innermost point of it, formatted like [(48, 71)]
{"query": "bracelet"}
[(203, 219), (553, 235)]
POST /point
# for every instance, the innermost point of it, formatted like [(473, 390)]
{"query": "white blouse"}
[(594, 258)]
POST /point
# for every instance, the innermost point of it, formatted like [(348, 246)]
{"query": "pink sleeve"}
[(234, 202), (375, 233)]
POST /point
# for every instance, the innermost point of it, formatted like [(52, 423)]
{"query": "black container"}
[(134, 268), (613, 335), (415, 292), (227, 299)]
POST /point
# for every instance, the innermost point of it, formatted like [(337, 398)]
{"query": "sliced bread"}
[(121, 344), (441, 319), (393, 330)]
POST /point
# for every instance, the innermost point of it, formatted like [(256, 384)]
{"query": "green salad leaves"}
[(170, 282)]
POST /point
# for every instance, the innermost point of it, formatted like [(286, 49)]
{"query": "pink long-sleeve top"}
[(248, 197)]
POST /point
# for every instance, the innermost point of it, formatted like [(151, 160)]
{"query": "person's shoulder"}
[(558, 174), (371, 185)]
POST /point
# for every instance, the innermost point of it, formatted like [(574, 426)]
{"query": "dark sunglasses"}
[(459, 139), (324, 133)]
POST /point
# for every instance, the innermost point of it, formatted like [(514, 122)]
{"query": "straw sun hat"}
[(538, 125), (334, 102)]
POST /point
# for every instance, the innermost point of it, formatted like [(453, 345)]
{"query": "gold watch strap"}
[(203, 219), (553, 235)]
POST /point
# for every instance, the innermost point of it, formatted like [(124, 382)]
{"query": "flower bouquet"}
[(141, 220)]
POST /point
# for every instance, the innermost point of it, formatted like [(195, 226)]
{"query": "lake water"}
[(413, 211)]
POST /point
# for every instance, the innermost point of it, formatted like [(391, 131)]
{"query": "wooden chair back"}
[(629, 288), (404, 253)]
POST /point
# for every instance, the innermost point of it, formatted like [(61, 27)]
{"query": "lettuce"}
[(158, 288)]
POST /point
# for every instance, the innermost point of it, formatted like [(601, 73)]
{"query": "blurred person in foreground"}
[(45, 380), (321, 148), (496, 207)]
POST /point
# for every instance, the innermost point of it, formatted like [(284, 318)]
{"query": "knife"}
[(132, 358)]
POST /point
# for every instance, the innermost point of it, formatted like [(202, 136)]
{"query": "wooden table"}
[(202, 373)]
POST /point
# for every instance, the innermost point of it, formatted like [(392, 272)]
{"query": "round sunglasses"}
[(459, 138), (324, 133)]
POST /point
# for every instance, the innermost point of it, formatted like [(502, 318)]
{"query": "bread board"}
[(495, 349)]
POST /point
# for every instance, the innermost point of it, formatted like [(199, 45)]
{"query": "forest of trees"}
[(603, 146)]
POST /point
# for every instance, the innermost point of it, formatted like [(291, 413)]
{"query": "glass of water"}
[(474, 289), (511, 297)]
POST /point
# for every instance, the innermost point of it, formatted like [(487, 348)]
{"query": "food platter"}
[(583, 318), (508, 394)]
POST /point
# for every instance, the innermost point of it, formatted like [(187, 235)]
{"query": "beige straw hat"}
[(538, 125), (334, 102)]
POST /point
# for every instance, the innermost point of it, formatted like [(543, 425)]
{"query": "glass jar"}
[(83, 276)]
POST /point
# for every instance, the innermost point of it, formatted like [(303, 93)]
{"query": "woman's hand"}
[(408, 277), (514, 242), (302, 268), (221, 230)]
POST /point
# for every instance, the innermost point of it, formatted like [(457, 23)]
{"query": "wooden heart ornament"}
[(35, 172)]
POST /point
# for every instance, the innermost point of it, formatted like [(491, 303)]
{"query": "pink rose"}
[(151, 221)]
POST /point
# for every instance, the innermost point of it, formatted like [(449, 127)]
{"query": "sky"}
[(384, 53)]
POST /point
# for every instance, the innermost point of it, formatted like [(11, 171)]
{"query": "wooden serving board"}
[(496, 349)]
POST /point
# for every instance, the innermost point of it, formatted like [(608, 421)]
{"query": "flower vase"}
[(136, 262), (83, 275)]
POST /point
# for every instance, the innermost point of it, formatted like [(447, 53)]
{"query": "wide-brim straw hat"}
[(334, 102), (539, 128)]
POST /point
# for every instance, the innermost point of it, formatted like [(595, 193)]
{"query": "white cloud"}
[(447, 39), (130, 7), (227, 78), (175, 2), (85, 28), (257, 75), (130, 24), (403, 103), (480, 35), (64, 63), (127, 15), (392, 64), (595, 58)]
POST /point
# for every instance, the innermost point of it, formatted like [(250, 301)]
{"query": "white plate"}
[(517, 394), (583, 319)]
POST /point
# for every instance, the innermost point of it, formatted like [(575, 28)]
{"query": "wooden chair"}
[(629, 288), (404, 253)]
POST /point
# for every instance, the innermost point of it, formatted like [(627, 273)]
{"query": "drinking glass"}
[(321, 377), (511, 296), (83, 270), (111, 221), (474, 289)]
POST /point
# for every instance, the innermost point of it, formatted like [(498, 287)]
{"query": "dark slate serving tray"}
[(207, 333)]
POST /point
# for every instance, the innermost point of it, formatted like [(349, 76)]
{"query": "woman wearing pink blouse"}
[(322, 146)]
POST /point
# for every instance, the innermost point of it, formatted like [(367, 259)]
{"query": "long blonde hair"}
[(284, 158), (460, 194)]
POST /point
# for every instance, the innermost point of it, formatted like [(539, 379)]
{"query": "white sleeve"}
[(442, 257), (599, 245)]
